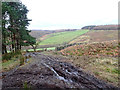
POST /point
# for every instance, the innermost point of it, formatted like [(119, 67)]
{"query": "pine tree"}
[(14, 27)]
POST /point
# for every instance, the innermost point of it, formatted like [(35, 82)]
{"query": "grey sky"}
[(62, 14)]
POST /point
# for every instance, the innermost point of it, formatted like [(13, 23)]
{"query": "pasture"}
[(62, 37)]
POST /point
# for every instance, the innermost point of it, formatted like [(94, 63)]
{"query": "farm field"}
[(62, 37), (51, 48), (38, 49), (42, 33), (97, 36)]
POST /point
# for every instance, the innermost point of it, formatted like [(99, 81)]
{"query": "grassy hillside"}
[(62, 37), (100, 59), (97, 36), (107, 48), (41, 33)]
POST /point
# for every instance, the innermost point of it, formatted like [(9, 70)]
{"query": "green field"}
[(62, 37), (51, 48)]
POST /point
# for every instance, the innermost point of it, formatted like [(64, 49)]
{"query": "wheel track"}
[(56, 70)]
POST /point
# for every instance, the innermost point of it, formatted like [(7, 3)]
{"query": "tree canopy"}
[(14, 27)]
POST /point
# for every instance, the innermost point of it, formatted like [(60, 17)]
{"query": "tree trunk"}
[(12, 43), (34, 48), (4, 49)]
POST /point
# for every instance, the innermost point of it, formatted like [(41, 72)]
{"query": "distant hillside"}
[(39, 33), (101, 27), (88, 27)]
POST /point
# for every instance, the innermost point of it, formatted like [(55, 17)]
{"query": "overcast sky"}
[(68, 14)]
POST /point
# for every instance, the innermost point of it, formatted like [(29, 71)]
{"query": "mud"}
[(50, 72)]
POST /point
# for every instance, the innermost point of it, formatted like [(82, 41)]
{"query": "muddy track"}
[(50, 72)]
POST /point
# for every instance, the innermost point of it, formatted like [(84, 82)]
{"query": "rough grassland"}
[(62, 37), (97, 36), (100, 59)]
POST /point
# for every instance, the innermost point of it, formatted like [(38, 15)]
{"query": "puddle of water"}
[(75, 73), (58, 76), (30, 54), (62, 78), (68, 72), (27, 60)]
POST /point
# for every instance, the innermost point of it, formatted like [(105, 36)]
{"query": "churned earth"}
[(47, 71)]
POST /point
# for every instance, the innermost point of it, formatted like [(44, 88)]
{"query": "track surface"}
[(50, 72)]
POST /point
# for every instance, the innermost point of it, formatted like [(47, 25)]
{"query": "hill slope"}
[(100, 59), (62, 37), (97, 36)]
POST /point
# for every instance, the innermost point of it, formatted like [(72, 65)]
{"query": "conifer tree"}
[(14, 27)]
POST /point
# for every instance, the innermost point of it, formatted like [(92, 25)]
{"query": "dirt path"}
[(50, 72)]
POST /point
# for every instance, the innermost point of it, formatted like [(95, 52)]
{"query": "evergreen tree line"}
[(14, 27)]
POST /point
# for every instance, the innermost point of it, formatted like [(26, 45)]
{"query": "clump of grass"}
[(79, 54), (71, 53), (116, 70), (56, 53), (22, 60), (8, 56), (108, 49), (107, 69), (109, 53), (97, 73), (25, 86), (10, 64)]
